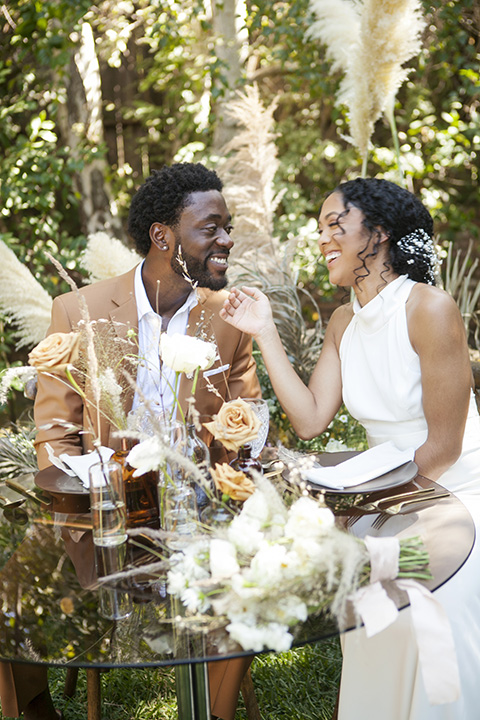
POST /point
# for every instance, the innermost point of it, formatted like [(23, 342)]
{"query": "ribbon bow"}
[(436, 648)]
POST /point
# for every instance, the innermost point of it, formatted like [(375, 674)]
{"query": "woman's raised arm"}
[(309, 409)]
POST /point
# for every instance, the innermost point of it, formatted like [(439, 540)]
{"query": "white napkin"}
[(361, 468), (80, 464)]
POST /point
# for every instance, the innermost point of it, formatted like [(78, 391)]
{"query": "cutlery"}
[(395, 509), (375, 505)]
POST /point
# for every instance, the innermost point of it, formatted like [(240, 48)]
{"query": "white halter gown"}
[(381, 678)]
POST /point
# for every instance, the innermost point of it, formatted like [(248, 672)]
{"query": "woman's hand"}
[(248, 310)]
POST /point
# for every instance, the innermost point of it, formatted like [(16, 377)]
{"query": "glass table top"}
[(50, 595)]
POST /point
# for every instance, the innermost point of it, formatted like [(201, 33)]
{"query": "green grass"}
[(298, 685)]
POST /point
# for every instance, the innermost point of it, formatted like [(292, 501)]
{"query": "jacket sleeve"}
[(58, 409), (243, 381)]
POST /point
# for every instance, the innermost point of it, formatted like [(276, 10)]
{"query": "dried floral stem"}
[(92, 356)]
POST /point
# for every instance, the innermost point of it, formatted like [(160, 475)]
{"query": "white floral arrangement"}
[(273, 565)]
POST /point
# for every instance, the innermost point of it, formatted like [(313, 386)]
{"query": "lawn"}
[(298, 685)]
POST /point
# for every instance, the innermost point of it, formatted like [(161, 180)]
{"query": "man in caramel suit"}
[(181, 225)]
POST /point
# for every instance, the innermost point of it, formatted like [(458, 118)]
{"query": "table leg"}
[(192, 691), (94, 695)]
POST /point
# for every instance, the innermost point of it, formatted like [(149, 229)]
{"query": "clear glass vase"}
[(176, 488), (198, 453)]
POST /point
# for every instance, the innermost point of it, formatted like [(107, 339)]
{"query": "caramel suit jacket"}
[(233, 374)]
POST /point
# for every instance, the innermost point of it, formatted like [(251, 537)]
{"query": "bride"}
[(397, 356)]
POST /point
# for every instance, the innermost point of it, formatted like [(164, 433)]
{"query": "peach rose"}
[(233, 483), (235, 424), (55, 352)]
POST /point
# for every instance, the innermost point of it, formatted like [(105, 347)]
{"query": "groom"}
[(181, 226)]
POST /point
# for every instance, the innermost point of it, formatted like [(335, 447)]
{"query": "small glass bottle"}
[(245, 462), (141, 493)]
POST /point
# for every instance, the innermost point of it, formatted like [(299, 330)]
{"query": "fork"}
[(395, 509), (375, 505)]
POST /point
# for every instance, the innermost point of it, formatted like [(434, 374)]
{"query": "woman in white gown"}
[(398, 357)]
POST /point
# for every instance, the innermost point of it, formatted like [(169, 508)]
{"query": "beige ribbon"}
[(436, 647)]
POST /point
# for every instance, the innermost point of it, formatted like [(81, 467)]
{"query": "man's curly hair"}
[(163, 197)]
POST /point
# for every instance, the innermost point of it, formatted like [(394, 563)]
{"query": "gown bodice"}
[(382, 387)]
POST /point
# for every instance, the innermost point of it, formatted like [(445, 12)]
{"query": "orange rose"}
[(235, 424), (233, 483), (55, 352)]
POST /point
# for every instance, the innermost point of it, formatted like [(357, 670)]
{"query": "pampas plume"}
[(379, 36), (248, 174), (22, 299), (105, 257)]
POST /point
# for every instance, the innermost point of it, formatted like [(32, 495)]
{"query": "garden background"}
[(92, 98)]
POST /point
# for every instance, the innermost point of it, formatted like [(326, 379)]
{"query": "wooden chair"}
[(94, 693)]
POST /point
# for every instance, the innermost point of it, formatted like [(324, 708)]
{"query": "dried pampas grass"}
[(106, 257), (22, 299), (248, 173), (379, 36), (257, 258)]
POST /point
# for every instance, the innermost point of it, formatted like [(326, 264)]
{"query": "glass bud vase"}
[(141, 496), (197, 451), (245, 462)]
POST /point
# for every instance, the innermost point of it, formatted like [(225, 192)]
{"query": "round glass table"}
[(50, 596)]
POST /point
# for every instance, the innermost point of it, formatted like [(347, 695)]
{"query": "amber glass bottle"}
[(245, 462), (141, 493)]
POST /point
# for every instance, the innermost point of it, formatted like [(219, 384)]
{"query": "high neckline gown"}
[(381, 678)]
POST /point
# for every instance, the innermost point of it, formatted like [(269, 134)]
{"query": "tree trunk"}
[(228, 16), (81, 117)]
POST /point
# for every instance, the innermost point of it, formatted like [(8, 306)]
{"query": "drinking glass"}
[(260, 408), (107, 505)]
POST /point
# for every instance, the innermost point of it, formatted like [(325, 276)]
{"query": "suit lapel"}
[(124, 315)]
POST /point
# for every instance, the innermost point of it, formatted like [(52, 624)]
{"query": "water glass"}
[(114, 604), (107, 504)]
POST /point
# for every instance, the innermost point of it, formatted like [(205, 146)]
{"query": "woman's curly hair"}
[(399, 214), (163, 197)]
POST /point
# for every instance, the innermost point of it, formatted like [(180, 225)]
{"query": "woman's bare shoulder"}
[(431, 311), (338, 322), (428, 300)]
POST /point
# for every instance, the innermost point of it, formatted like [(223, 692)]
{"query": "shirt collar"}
[(143, 303)]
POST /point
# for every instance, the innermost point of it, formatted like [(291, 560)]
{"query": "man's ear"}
[(160, 235)]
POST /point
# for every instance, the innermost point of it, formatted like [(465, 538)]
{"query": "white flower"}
[(177, 582), (256, 509), (267, 567), (223, 559), (244, 535), (195, 600), (290, 609), (308, 519), (146, 456), (259, 637), (184, 353)]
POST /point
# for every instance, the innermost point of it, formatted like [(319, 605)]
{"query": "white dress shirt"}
[(156, 386)]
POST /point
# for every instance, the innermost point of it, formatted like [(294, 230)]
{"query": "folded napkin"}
[(79, 465), (362, 468)]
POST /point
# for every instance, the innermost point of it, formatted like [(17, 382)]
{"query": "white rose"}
[(307, 518), (223, 559), (184, 353)]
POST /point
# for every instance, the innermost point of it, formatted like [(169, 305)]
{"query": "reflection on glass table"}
[(51, 601)]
